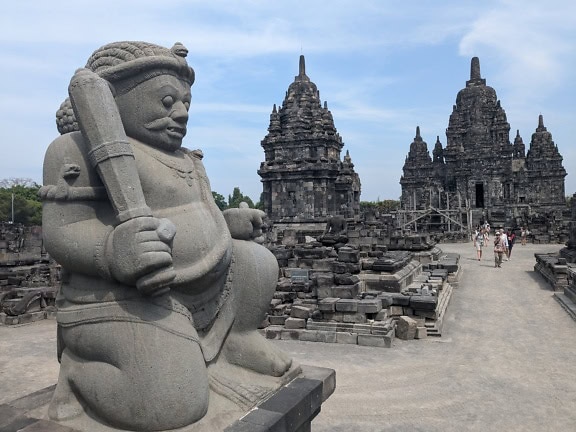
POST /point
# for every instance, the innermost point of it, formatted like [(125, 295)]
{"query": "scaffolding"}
[(457, 218)]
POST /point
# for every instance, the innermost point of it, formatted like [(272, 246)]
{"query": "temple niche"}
[(303, 176), (481, 175)]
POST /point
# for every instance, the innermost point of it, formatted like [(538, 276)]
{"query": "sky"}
[(383, 67)]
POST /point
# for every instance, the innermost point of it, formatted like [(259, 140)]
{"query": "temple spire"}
[(475, 69), (302, 67), (541, 122), (475, 77), (417, 137)]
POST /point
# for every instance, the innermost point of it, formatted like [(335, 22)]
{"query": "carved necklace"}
[(179, 163)]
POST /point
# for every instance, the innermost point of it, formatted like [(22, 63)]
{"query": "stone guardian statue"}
[(162, 293)]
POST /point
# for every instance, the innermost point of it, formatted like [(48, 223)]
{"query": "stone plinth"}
[(291, 408), (553, 269)]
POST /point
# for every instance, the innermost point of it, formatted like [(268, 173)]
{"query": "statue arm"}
[(75, 228)]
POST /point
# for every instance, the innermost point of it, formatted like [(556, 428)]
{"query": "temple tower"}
[(418, 175), (480, 170), (303, 177)]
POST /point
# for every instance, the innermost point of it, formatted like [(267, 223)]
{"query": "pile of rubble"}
[(364, 297)]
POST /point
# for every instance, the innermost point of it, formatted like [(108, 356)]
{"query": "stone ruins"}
[(481, 176), (303, 177), (28, 277), (343, 278)]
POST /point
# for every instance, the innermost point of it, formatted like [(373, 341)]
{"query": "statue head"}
[(151, 85)]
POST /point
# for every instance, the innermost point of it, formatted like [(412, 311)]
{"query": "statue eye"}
[(168, 101)]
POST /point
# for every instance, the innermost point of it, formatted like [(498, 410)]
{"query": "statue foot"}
[(64, 404), (252, 351)]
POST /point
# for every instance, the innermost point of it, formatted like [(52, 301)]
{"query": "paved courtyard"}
[(506, 361)]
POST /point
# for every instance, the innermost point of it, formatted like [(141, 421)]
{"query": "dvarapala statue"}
[(162, 293)]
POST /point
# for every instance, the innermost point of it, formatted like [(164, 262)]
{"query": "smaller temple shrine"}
[(304, 178)]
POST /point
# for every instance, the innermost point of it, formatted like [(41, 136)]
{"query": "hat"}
[(120, 60)]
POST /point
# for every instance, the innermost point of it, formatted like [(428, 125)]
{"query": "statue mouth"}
[(177, 132)]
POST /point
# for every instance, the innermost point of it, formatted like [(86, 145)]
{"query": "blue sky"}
[(384, 67)]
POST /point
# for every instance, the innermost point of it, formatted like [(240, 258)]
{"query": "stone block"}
[(382, 315), (374, 341), (406, 328), (370, 306), (345, 327), (324, 279), (323, 264), (317, 336), (295, 323), (347, 305), (290, 334), (300, 312), (363, 328), (353, 317), (324, 292), (395, 310), (346, 291), (421, 333), (328, 304), (386, 300), (273, 332), (427, 303), (332, 316), (408, 311), (321, 325), (346, 279), (346, 338), (348, 255), (339, 267), (277, 320), (400, 299)]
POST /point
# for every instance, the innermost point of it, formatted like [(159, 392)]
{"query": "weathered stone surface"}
[(478, 126), (421, 333), (348, 255), (303, 177), (117, 170), (346, 338), (353, 317), (369, 306), (374, 341), (347, 305), (346, 279), (295, 323), (300, 312), (427, 303), (406, 328), (328, 304), (345, 291)]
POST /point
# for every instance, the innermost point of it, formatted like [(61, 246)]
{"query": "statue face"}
[(156, 111)]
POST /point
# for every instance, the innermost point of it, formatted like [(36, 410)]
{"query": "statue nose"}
[(179, 113)]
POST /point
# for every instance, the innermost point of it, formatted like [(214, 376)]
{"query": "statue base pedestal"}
[(291, 408)]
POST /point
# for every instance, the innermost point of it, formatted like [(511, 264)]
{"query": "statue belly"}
[(202, 247)]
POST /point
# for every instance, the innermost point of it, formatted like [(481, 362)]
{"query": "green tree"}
[(237, 197), (27, 205), (385, 206), (220, 200)]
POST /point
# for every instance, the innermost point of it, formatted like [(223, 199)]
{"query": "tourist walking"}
[(499, 248), (511, 239), (504, 242), (523, 234), (479, 240)]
